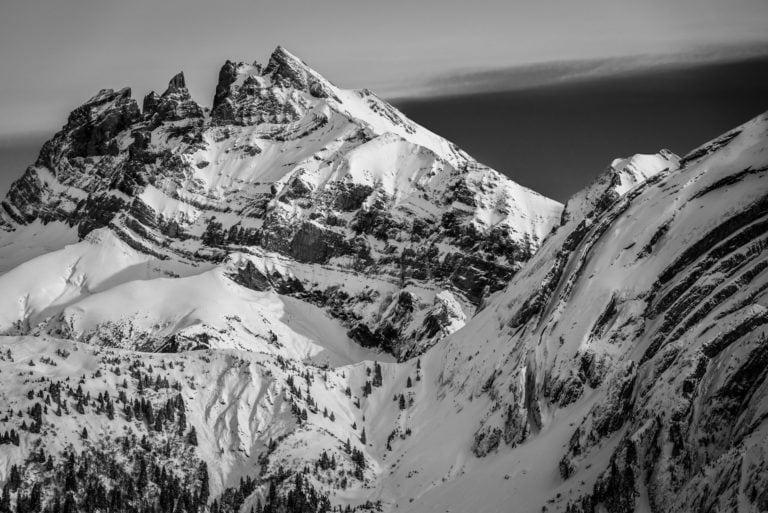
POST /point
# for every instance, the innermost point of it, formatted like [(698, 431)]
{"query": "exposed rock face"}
[(314, 244), (287, 68), (91, 128), (227, 77), (446, 313), (175, 104), (287, 164)]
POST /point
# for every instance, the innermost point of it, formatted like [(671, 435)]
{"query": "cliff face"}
[(288, 167)]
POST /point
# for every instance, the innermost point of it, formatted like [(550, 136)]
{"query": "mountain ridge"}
[(290, 163), (291, 308)]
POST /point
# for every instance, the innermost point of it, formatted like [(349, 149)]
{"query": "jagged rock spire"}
[(176, 84), (150, 102), (227, 77), (174, 104)]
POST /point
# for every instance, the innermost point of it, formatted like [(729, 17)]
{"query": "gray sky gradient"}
[(57, 53)]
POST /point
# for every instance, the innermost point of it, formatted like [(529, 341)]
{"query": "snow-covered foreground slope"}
[(238, 404), (153, 357)]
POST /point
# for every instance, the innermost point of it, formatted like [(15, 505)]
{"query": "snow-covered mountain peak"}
[(244, 89), (622, 175), (289, 166), (637, 168)]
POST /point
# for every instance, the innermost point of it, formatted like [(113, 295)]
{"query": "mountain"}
[(299, 300), (294, 185), (623, 368)]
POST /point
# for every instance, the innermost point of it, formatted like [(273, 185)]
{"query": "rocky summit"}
[(326, 195), (299, 300)]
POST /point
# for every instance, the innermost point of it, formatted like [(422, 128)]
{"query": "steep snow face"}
[(288, 165), (623, 368)]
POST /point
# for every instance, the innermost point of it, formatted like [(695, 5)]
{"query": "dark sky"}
[(555, 139)]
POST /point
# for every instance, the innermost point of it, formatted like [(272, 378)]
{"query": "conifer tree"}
[(5, 500), (192, 436), (202, 475)]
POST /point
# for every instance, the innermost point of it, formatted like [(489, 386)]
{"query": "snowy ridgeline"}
[(328, 195), (300, 300)]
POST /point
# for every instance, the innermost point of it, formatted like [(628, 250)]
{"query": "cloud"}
[(483, 81)]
